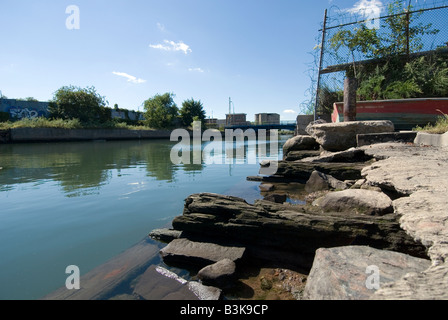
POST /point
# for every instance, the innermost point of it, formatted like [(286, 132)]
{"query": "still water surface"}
[(83, 203)]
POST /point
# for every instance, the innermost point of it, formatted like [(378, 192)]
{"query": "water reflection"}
[(83, 168)]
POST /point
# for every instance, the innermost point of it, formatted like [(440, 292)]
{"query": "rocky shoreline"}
[(379, 205), (362, 221)]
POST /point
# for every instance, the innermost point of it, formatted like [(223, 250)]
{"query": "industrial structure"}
[(267, 118)]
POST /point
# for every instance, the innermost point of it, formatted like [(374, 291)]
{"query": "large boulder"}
[(298, 143), (219, 273), (342, 136), (358, 201), (357, 272), (320, 181)]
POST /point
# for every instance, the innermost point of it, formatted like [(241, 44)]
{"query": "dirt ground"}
[(267, 283)]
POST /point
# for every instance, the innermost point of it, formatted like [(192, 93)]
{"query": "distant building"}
[(221, 123), (127, 114), (236, 119), (267, 118), (212, 121)]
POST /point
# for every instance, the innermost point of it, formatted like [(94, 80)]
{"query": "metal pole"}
[(324, 31), (408, 22)]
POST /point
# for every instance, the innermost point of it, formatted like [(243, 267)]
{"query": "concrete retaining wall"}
[(52, 134), (436, 140), (372, 138)]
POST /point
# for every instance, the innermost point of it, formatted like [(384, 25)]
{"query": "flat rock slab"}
[(374, 138), (356, 200), (165, 235), (158, 283), (342, 136), (428, 285), (300, 154), (199, 253), (102, 281), (348, 273), (302, 170)]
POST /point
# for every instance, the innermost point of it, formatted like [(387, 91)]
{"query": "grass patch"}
[(440, 127), (67, 124)]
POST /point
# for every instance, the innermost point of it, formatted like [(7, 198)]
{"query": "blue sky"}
[(255, 51)]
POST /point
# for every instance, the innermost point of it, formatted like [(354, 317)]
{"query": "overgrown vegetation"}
[(399, 78), (393, 71), (440, 127), (67, 124), (74, 108)]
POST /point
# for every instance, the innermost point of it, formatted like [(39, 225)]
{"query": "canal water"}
[(82, 203)]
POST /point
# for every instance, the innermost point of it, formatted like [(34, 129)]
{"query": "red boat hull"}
[(405, 114)]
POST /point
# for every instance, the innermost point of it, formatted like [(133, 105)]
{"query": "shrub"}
[(4, 116)]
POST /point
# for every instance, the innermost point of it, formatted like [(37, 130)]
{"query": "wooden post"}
[(350, 87)]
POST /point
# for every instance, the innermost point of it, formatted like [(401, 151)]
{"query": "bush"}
[(86, 105), (440, 127), (46, 123), (4, 116)]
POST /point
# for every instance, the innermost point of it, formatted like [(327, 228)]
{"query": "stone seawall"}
[(21, 135)]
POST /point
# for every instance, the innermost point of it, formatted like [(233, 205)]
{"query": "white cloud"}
[(129, 77), (367, 8), (290, 111), (172, 46), (196, 70)]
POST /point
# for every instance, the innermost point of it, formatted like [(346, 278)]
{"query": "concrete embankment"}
[(20, 135)]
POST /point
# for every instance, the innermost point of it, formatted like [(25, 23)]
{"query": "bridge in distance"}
[(283, 125)]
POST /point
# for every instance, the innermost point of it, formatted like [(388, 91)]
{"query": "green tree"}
[(403, 35), (87, 105), (161, 111), (28, 99), (192, 111), (393, 73), (405, 32)]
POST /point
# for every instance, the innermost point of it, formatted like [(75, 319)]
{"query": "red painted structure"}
[(405, 114)]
